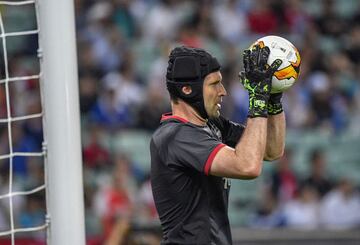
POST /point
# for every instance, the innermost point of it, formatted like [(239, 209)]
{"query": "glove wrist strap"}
[(274, 109), (258, 104), (275, 106)]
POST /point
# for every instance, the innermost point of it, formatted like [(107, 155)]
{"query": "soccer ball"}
[(288, 72)]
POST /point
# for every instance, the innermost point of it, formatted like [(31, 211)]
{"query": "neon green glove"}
[(257, 79)]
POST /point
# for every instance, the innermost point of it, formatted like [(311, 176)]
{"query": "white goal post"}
[(61, 151), (59, 81)]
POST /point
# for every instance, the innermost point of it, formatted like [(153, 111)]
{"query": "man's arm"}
[(245, 161), (276, 128), (275, 142), (263, 139)]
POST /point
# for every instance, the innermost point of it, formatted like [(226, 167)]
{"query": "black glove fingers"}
[(263, 56), (254, 56), (275, 65), (246, 60)]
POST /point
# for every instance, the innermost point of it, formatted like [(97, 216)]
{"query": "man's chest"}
[(214, 131)]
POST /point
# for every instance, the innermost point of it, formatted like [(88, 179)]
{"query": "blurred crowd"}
[(123, 48), (122, 59), (313, 201)]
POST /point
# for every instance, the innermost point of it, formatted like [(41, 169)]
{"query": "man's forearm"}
[(246, 160), (275, 142), (251, 147)]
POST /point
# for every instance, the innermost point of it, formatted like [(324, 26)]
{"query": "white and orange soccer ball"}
[(280, 48)]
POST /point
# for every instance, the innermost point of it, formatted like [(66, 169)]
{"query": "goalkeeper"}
[(195, 150)]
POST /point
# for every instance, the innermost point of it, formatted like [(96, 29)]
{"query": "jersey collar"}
[(169, 115)]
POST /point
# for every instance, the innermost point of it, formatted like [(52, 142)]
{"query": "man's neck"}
[(183, 110)]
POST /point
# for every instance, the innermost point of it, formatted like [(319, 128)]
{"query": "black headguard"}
[(189, 67)]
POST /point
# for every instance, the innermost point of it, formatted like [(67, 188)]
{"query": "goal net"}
[(41, 197)]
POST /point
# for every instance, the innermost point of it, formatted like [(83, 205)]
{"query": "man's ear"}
[(186, 90)]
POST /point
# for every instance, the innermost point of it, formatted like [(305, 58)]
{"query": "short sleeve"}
[(193, 148), (231, 131)]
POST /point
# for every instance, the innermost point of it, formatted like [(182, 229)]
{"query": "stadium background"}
[(122, 58)]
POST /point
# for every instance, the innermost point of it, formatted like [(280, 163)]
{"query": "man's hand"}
[(257, 79)]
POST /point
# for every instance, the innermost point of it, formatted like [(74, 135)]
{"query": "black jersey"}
[(192, 204)]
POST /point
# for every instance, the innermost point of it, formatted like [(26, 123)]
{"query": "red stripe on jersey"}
[(211, 157), (168, 116)]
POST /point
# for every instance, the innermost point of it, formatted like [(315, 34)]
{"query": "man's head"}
[(318, 162), (193, 75)]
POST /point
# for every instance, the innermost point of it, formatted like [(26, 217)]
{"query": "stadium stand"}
[(122, 55)]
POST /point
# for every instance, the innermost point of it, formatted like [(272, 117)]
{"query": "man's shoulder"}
[(167, 130), (172, 129)]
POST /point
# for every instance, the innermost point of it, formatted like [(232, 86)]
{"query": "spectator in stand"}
[(21, 143), (105, 38), (262, 18), (150, 112), (229, 12), (296, 19), (321, 98), (128, 91), (35, 176), (283, 179), (268, 214), (95, 155), (330, 23), (87, 61), (116, 201), (107, 111), (303, 211), (33, 127), (163, 20), (89, 91), (189, 33), (340, 207), (123, 18), (318, 178), (34, 213), (146, 205)]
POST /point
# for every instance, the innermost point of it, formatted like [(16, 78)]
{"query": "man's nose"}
[(223, 91)]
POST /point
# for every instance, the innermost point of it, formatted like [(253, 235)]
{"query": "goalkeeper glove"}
[(257, 79), (275, 105)]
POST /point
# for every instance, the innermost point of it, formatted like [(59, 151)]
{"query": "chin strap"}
[(200, 108), (195, 99)]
